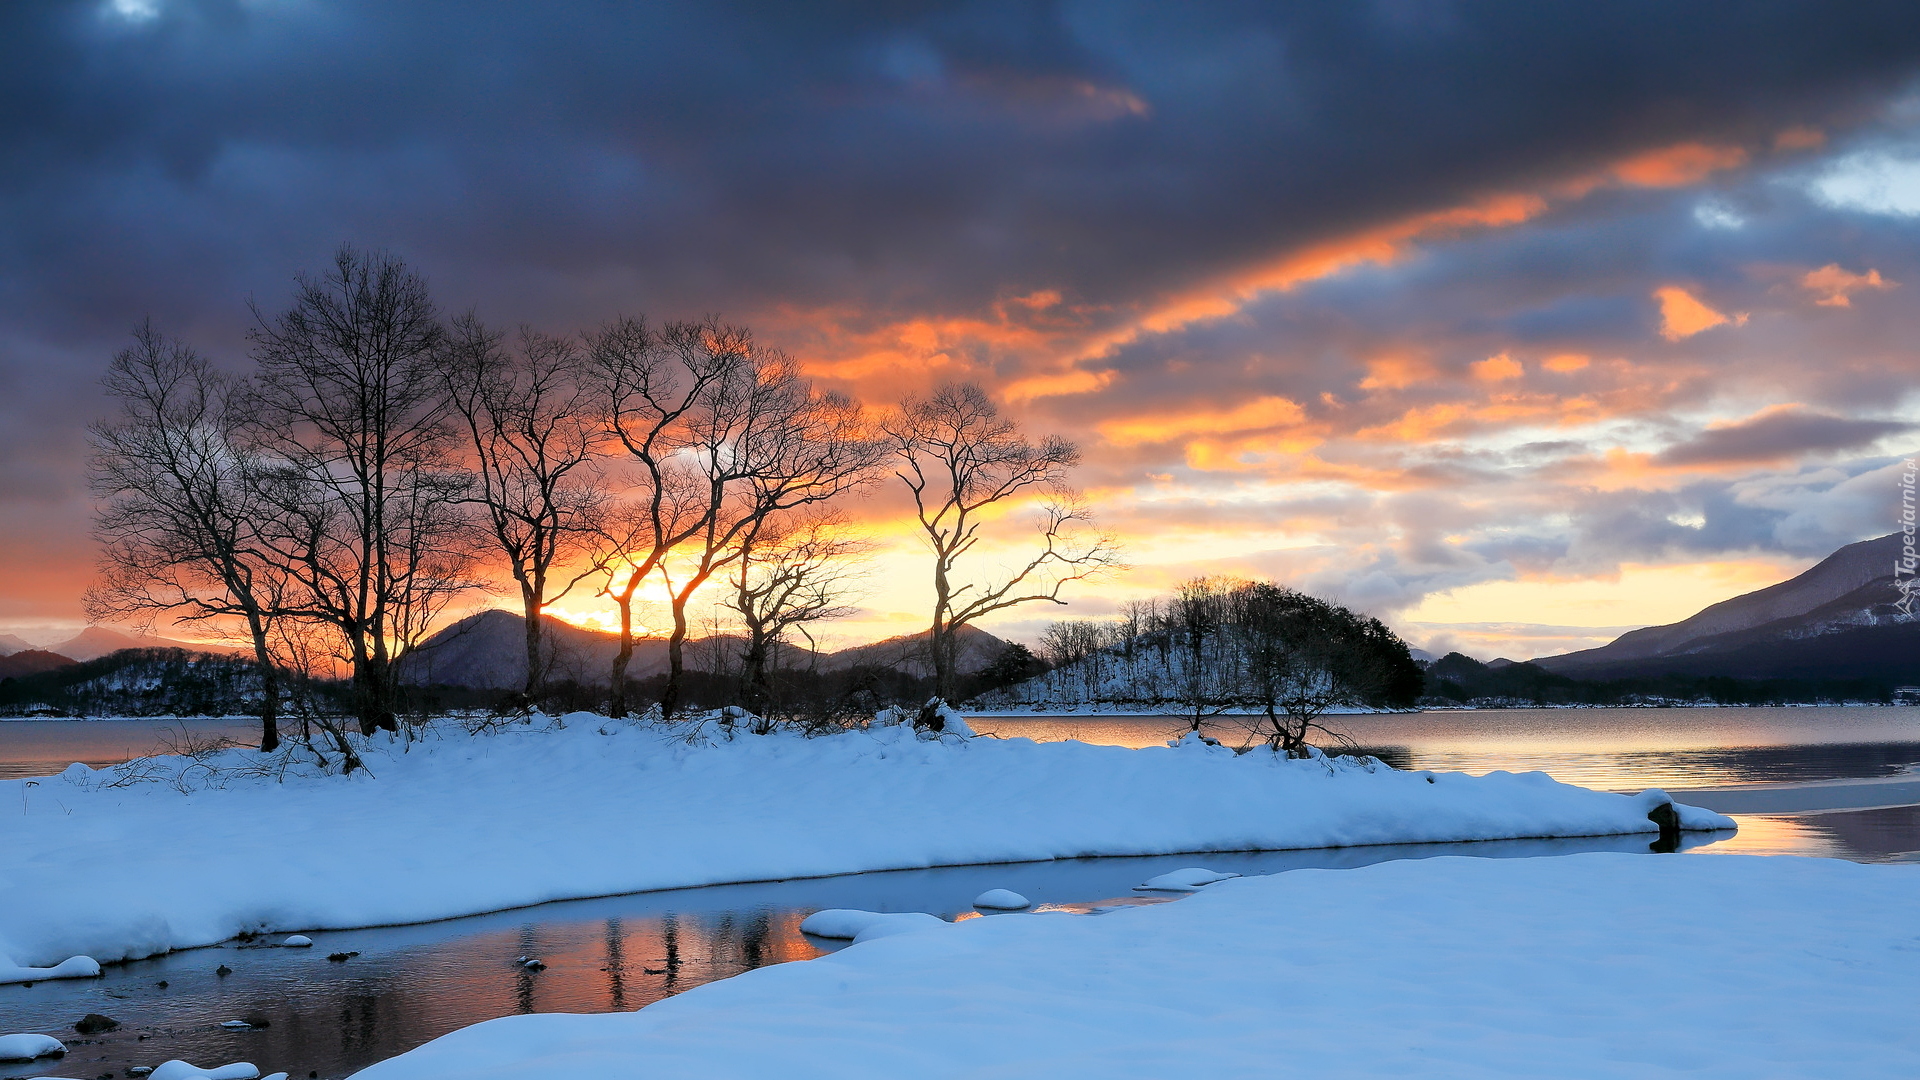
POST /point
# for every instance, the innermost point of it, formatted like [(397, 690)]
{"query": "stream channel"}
[(409, 984)]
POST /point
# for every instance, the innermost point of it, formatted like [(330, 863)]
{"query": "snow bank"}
[(26, 1047), (456, 824), (1593, 966), (848, 924), (73, 967), (180, 1070), (1186, 879)]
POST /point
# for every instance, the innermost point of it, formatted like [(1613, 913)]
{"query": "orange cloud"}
[(1498, 368), (1677, 166), (1381, 245), (1682, 315), (1800, 138), (1396, 372), (1671, 166), (1053, 385), (1833, 285), (1565, 362), (1258, 414), (1454, 417)]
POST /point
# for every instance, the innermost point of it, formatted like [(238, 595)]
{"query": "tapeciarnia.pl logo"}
[(1905, 566)]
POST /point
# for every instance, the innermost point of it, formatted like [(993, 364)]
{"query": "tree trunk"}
[(756, 689), (535, 676), (940, 641), (269, 685), (617, 699), (676, 663), (376, 694)]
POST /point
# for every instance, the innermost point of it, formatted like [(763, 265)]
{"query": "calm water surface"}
[(1611, 749), (414, 983), (44, 747)]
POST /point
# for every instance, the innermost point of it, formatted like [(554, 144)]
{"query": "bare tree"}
[(533, 427), (793, 572), (764, 443), (727, 434), (960, 458), (178, 531), (1198, 618), (647, 391), (350, 409)]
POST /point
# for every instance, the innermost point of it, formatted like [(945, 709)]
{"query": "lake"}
[(1610, 749)]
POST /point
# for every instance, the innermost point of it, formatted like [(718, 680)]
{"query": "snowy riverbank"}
[(1593, 966), (458, 824)]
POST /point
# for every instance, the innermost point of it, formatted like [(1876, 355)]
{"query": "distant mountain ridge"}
[(487, 651), (31, 662), (1836, 620), (97, 641)]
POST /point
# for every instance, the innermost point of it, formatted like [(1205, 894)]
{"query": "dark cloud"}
[(560, 164), (1778, 436)]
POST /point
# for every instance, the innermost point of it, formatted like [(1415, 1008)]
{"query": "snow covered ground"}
[(1598, 965), (457, 824)]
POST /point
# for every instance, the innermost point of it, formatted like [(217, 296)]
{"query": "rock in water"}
[(93, 1023), (1002, 900)]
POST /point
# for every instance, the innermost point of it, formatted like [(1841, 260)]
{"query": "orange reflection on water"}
[(1776, 835), (1888, 834), (603, 966)]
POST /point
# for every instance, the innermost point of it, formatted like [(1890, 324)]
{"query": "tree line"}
[(1273, 659), (380, 461)]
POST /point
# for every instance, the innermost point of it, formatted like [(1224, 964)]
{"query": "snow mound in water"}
[(180, 1070), (1002, 900), (73, 967), (1184, 880), (298, 941), (847, 924), (28, 1047)]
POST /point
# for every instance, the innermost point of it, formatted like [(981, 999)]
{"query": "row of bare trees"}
[(380, 461)]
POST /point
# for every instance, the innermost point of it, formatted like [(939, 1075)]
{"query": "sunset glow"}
[(1462, 368)]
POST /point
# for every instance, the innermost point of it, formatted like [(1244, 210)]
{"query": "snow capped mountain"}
[(1837, 619)]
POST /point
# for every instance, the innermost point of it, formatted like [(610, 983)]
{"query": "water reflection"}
[(1612, 749), (1886, 835), (44, 747), (414, 983)]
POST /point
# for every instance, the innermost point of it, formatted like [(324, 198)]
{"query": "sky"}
[(1516, 325)]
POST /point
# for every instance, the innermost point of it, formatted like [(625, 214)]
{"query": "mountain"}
[(908, 653), (1835, 621), (97, 641), (31, 662), (487, 651), (10, 644)]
